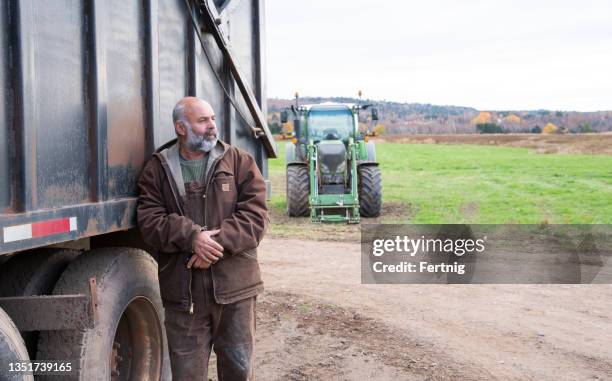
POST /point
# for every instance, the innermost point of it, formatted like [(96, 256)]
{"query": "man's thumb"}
[(214, 232)]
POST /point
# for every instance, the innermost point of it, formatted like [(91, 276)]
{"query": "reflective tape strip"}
[(17, 233), (73, 224), (39, 229)]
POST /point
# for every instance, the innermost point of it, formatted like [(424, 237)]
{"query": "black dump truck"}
[(87, 92)]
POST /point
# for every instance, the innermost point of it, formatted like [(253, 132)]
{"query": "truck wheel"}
[(370, 191), (128, 341), (34, 273), (298, 188), (12, 349)]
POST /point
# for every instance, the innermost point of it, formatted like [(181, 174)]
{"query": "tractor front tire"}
[(370, 191), (298, 188)]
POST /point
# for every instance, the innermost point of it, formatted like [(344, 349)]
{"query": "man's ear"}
[(179, 127)]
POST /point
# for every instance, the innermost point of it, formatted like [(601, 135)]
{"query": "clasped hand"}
[(206, 250)]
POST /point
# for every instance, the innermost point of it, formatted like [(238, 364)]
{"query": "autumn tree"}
[(512, 119), (483, 117), (512, 123), (549, 128), (379, 129)]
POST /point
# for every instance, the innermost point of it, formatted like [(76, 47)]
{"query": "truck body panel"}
[(87, 90)]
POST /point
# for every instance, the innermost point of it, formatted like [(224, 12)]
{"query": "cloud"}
[(489, 55)]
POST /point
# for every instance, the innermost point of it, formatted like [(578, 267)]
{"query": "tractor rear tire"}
[(12, 349), (370, 191), (128, 340), (34, 273), (298, 189)]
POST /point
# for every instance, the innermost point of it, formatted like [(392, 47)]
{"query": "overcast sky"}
[(491, 55)]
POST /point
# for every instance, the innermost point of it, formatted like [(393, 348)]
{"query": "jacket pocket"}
[(173, 278), (236, 276), (224, 195)]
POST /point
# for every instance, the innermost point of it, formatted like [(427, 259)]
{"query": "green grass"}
[(427, 183), (276, 171)]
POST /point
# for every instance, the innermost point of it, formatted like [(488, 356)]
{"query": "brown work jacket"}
[(235, 203)]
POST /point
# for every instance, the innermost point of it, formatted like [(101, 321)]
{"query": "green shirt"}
[(194, 170)]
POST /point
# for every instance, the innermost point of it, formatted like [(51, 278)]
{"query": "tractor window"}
[(330, 124)]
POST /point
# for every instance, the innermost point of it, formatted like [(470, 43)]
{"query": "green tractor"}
[(332, 173)]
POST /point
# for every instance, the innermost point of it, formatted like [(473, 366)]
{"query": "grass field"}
[(433, 183)]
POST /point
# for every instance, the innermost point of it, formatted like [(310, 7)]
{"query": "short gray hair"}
[(178, 114)]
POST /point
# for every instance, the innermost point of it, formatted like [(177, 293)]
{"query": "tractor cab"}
[(330, 128), (326, 165), (334, 122)]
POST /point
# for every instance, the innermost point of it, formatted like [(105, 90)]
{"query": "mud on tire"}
[(128, 339), (370, 190), (298, 189), (34, 273)]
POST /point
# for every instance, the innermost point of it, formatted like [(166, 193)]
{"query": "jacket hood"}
[(168, 154)]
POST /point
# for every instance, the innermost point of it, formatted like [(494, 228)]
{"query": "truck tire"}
[(370, 191), (12, 349), (128, 340), (298, 189), (34, 273), (5, 257)]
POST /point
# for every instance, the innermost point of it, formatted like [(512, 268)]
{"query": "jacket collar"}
[(169, 153), (217, 151)]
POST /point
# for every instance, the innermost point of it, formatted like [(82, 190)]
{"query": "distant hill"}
[(418, 118)]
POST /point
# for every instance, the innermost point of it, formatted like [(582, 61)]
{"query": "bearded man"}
[(202, 208)]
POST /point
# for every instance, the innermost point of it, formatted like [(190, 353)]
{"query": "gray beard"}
[(208, 145), (198, 142)]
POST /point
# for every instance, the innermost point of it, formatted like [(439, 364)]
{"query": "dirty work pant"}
[(228, 328)]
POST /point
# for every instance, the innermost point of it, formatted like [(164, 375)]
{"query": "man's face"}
[(200, 127)]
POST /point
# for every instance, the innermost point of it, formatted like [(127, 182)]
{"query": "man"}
[(202, 207)]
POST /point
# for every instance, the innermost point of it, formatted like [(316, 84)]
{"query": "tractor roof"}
[(327, 106)]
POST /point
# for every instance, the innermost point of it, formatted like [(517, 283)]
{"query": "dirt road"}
[(316, 321)]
